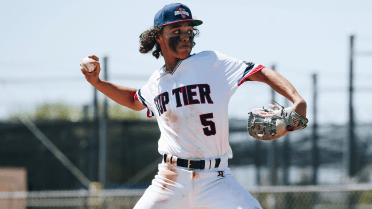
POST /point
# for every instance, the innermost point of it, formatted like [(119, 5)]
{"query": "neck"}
[(170, 63)]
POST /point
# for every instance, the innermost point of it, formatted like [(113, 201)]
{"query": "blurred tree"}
[(56, 111), (118, 112)]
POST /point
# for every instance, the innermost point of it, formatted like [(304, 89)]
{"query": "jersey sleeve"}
[(234, 71), (144, 95), (250, 70), (140, 98)]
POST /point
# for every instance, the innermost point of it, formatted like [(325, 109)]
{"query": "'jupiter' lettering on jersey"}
[(185, 95), (161, 101)]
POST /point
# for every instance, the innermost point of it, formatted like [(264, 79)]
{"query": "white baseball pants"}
[(178, 187)]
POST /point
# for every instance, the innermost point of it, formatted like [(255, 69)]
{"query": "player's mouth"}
[(185, 46)]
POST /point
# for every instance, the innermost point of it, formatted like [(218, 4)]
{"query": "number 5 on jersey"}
[(210, 126)]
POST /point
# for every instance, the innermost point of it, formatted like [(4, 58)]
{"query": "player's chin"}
[(184, 52)]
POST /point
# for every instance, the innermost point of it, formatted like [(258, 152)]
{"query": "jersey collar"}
[(165, 71)]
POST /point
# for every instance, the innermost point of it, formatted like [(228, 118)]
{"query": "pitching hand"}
[(92, 77)]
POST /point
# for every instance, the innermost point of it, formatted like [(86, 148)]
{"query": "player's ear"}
[(159, 38)]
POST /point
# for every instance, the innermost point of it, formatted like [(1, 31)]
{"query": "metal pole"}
[(83, 145), (103, 134), (93, 143), (85, 113), (315, 160), (286, 154), (273, 150), (95, 104), (349, 155), (105, 103), (286, 165), (258, 161)]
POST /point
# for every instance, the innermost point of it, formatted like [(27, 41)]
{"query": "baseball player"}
[(189, 96)]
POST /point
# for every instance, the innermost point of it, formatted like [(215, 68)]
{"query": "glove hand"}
[(268, 124), (300, 108)]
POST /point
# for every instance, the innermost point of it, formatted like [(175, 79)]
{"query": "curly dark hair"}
[(148, 41)]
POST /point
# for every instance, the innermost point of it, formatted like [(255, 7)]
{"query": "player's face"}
[(177, 40)]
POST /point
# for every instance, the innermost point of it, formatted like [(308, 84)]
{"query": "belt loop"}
[(207, 164), (213, 163), (218, 161)]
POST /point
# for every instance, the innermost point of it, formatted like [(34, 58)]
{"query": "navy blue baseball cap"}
[(173, 13)]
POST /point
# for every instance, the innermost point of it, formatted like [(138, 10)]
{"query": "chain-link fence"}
[(315, 197), (279, 197), (79, 199)]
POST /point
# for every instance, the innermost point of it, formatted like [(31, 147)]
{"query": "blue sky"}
[(42, 42)]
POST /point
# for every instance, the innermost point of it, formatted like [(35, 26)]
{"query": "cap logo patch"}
[(181, 11)]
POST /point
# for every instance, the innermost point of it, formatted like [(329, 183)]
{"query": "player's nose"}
[(185, 37)]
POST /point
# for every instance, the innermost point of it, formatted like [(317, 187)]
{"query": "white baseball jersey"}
[(191, 103)]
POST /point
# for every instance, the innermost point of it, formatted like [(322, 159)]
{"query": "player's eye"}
[(177, 32)]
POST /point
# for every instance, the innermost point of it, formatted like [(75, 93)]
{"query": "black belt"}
[(191, 164)]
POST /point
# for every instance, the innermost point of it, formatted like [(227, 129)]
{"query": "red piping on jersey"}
[(255, 70), (136, 97), (175, 68), (149, 113)]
